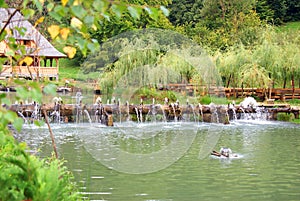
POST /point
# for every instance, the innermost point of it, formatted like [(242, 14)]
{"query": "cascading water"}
[(174, 111), (201, 111), (88, 115), (233, 109), (127, 111), (23, 117), (137, 114), (214, 113)]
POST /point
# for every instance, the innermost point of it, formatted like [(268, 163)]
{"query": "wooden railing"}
[(24, 71)]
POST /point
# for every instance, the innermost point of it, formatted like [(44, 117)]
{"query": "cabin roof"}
[(44, 47)]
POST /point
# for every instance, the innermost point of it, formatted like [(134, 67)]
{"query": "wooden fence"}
[(276, 93), (29, 71)]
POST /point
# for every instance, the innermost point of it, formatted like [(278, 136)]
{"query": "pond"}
[(171, 161)]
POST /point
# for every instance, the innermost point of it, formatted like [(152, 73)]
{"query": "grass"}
[(290, 27), (68, 69), (297, 121)]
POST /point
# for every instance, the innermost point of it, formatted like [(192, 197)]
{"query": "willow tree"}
[(150, 57), (255, 76), (291, 63), (230, 64), (267, 55)]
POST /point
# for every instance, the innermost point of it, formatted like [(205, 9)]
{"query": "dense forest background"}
[(244, 38)]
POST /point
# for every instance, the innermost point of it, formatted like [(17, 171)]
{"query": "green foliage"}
[(285, 117), (297, 121), (294, 102), (170, 95), (148, 94), (183, 12), (205, 100), (24, 176)]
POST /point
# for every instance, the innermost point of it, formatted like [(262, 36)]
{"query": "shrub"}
[(285, 117), (25, 177), (206, 100)]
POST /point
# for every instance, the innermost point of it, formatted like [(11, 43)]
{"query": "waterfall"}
[(137, 114), (231, 106), (174, 111), (127, 110), (88, 115), (194, 114), (163, 113), (201, 111), (22, 116), (214, 113)]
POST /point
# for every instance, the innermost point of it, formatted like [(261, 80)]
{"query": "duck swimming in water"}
[(224, 152)]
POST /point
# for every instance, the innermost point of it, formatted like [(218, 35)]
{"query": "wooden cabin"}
[(45, 56)]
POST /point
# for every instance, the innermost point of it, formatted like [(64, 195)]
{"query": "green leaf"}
[(27, 13), (2, 36), (10, 116), (50, 89), (6, 101), (100, 6), (78, 11), (81, 43), (18, 123), (89, 20), (61, 10), (36, 95), (134, 12), (39, 123), (148, 10), (165, 11), (3, 4), (9, 53), (22, 92), (39, 5), (2, 95), (56, 16), (93, 46), (154, 13), (19, 82), (50, 6), (106, 16), (118, 9)]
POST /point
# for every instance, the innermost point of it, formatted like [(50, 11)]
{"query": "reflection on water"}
[(268, 169)]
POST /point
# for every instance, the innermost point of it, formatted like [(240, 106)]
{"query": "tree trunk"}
[(228, 82), (293, 85), (284, 82)]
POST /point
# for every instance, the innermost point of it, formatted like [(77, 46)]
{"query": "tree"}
[(184, 12), (280, 9), (264, 10), (293, 10)]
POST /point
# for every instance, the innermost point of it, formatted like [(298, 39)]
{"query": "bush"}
[(285, 117), (206, 100), (25, 177), (294, 101)]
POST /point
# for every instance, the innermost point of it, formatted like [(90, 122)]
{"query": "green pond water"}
[(170, 161)]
